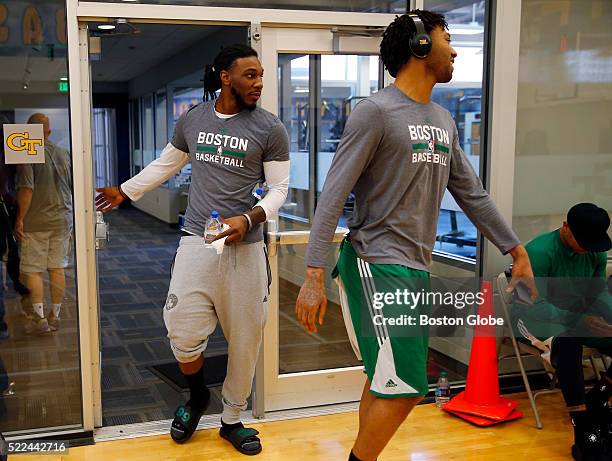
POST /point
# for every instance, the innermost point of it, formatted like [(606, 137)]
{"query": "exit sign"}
[(62, 87)]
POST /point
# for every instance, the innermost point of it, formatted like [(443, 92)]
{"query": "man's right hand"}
[(598, 326), (312, 299), (18, 229), (108, 198)]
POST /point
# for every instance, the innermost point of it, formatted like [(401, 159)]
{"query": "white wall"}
[(564, 121)]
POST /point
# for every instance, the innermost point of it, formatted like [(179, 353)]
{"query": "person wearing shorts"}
[(398, 154), (44, 226), (233, 146)]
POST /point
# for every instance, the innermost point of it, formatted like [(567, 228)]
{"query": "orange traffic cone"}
[(481, 403)]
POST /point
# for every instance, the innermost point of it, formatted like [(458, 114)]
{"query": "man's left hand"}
[(522, 272), (238, 229)]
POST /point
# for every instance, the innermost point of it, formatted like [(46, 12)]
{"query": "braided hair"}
[(224, 61), (394, 48)]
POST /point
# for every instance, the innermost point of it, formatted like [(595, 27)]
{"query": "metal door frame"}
[(78, 14)]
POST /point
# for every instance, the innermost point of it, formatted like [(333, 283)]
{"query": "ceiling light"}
[(106, 26), (64, 79)]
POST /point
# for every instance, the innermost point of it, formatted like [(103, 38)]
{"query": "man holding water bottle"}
[(234, 146)]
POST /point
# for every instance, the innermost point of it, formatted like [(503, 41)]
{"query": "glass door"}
[(40, 305), (140, 378), (313, 79)]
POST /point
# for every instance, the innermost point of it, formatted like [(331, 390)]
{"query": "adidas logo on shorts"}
[(390, 383)]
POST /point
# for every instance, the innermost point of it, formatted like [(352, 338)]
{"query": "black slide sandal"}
[(185, 423), (244, 439)]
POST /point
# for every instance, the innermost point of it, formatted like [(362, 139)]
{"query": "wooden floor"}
[(428, 434)]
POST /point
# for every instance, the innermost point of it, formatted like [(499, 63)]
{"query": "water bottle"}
[(213, 227), (258, 191), (442, 390)]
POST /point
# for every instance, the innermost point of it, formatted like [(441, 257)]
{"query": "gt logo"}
[(22, 141)]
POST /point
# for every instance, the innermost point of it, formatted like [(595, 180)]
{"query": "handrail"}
[(301, 237)]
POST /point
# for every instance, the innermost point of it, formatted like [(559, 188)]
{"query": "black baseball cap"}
[(589, 224)]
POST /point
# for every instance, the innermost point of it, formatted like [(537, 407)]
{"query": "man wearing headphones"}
[(398, 154)]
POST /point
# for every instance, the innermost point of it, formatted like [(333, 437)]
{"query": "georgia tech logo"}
[(22, 141)]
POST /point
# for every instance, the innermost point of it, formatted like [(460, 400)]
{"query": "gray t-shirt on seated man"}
[(227, 158), (51, 206)]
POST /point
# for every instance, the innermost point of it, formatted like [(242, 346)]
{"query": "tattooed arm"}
[(312, 299)]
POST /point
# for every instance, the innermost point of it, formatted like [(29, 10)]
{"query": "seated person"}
[(574, 310)]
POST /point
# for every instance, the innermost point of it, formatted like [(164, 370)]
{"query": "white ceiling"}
[(124, 57)]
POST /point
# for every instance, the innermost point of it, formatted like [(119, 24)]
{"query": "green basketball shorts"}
[(394, 356)]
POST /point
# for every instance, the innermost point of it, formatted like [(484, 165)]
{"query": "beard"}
[(446, 78), (241, 102)]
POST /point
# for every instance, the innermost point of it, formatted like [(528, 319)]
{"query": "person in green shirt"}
[(574, 310)]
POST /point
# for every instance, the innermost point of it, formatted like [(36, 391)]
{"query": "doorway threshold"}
[(162, 427)]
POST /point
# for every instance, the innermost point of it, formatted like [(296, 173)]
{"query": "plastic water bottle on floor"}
[(213, 227), (442, 390)]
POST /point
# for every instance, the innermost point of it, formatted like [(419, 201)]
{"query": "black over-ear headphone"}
[(420, 43)]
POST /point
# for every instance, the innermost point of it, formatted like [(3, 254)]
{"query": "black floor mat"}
[(215, 369)]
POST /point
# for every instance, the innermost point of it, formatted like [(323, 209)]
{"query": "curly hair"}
[(394, 48), (224, 60)]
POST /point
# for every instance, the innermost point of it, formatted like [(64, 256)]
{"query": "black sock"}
[(199, 393), (230, 427), (597, 398), (579, 419), (352, 457)]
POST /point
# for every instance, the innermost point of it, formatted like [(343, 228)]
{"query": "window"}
[(316, 96), (462, 97), (161, 124), (44, 368), (563, 124)]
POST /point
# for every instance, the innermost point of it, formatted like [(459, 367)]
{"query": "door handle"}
[(102, 235)]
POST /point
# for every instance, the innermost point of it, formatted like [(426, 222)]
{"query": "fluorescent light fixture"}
[(64, 79), (106, 26)]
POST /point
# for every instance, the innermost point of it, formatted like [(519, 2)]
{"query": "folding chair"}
[(522, 349)]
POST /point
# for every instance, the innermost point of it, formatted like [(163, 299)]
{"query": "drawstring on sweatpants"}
[(229, 252)]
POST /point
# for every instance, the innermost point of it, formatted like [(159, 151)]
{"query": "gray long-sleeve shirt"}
[(398, 156)]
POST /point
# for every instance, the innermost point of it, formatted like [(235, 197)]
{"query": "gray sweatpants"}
[(231, 288)]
